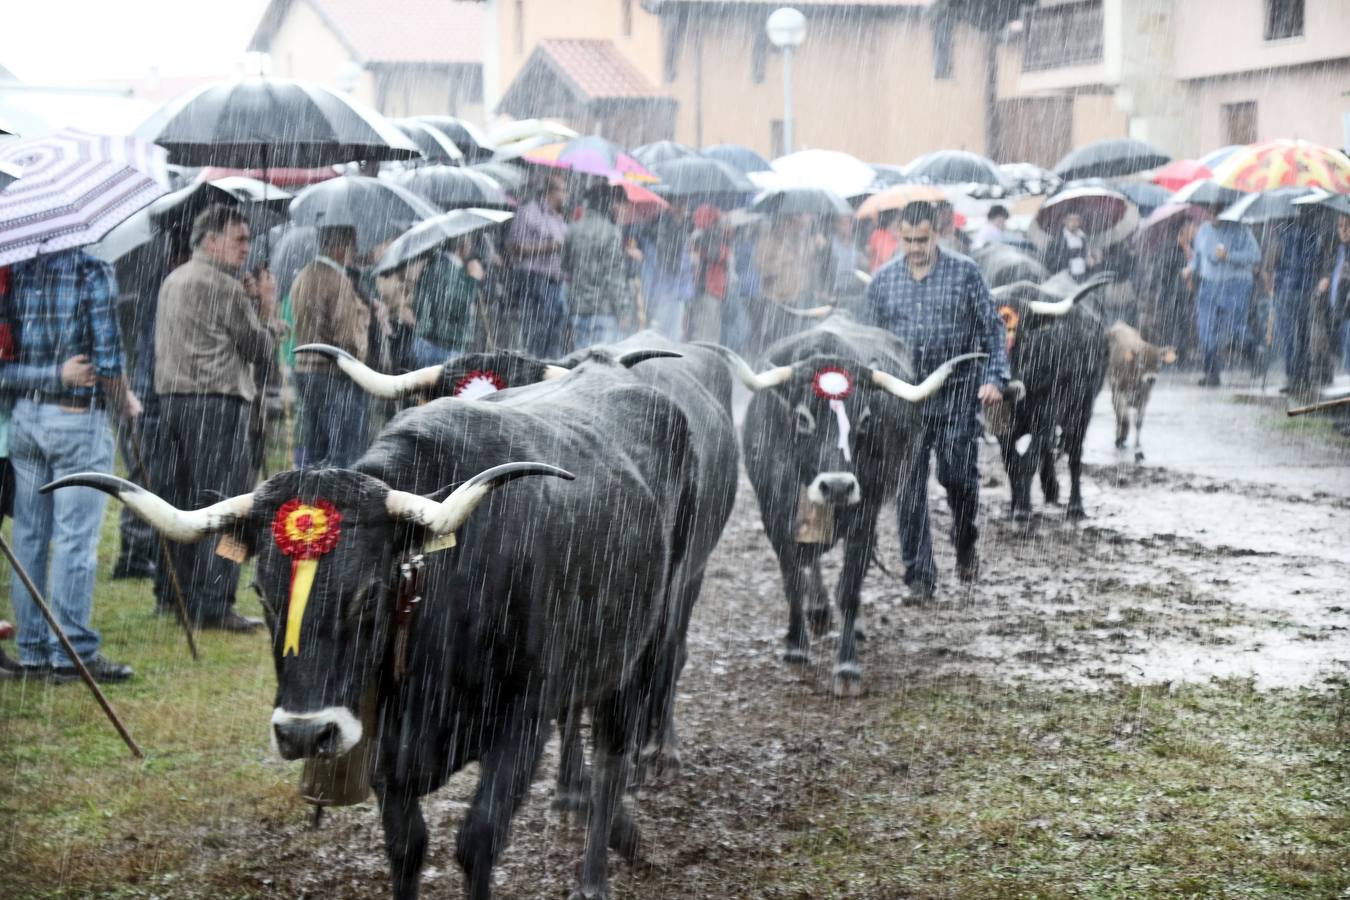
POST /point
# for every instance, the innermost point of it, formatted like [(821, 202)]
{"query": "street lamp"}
[(787, 29)]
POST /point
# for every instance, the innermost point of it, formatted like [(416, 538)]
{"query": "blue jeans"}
[(952, 438), (543, 317), (1345, 345), (57, 531), (332, 419), (1291, 332), (589, 330), (425, 353)]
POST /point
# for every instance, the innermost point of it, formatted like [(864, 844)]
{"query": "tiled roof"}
[(412, 31), (596, 70), (655, 5)]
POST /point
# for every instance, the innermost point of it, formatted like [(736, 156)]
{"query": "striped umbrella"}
[(1277, 164), (8, 175), (75, 187)]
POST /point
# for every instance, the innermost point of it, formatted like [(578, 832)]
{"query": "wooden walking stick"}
[(179, 604), (70, 650), (1319, 407)]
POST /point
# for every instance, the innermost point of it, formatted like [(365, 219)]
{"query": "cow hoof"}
[(1120, 444), (797, 660), (624, 835), (1076, 513), (859, 634), (589, 894), (820, 620), (847, 682), (661, 762), (1139, 456)]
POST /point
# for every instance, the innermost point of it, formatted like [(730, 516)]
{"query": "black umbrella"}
[(448, 187), (1109, 159), (802, 201), (1266, 206), (435, 147), (888, 175), (472, 141), (261, 123), (1207, 192), (1143, 194), (738, 157), (1339, 203), (293, 247), (427, 236), (699, 175), (176, 209), (958, 167), (661, 152), (376, 208)]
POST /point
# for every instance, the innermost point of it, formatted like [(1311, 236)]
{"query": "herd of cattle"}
[(568, 594)]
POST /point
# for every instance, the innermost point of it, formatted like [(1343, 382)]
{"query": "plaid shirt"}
[(948, 313), (63, 304)]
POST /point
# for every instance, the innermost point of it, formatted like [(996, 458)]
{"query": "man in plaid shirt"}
[(939, 304), (63, 305)]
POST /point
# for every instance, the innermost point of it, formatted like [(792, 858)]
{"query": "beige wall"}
[(305, 48), (1306, 102), (414, 91), (1234, 37), (865, 86), (560, 19), (1096, 118)]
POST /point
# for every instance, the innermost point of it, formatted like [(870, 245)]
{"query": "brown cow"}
[(1133, 368)]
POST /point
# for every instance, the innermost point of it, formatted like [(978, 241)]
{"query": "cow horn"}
[(633, 357), (755, 381), (175, 524), (377, 384), (447, 516), (916, 392), (1062, 307)]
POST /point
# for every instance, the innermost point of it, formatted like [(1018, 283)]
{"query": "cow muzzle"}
[(324, 734), (834, 489)]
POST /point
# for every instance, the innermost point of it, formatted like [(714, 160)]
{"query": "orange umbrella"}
[(899, 197), (1276, 164)]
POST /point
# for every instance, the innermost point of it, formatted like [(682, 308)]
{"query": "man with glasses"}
[(938, 303)]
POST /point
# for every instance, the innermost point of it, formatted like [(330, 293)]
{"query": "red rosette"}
[(832, 383), (306, 530), (479, 383)]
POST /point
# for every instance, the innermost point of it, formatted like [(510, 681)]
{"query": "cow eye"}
[(806, 422), (864, 421)]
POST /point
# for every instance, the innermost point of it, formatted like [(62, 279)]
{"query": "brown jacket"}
[(207, 333), (328, 311)]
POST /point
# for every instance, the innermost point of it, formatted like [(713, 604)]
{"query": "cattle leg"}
[(609, 823), (405, 836), (1138, 428), (1121, 405), (847, 681), (1049, 481), (795, 585), (1073, 445), (572, 789), (1021, 467), (819, 615), (507, 768), (661, 743)]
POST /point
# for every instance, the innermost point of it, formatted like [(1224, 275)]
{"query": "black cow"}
[(826, 437), (696, 379), (556, 596), (1059, 353)]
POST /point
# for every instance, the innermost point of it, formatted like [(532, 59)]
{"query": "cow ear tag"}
[(231, 548), (444, 542), (304, 532), (478, 383)]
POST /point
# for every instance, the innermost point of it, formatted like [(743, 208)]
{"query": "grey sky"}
[(73, 41)]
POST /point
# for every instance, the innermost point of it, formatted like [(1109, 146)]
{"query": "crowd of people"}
[(186, 361)]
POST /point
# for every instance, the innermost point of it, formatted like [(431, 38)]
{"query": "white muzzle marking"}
[(837, 480), (348, 725)]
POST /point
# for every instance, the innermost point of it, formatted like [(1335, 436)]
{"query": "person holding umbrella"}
[(535, 242), (595, 264), (213, 326), (1225, 261), (1068, 250), (939, 304)]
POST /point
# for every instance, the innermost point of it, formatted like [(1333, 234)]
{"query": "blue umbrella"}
[(738, 157)]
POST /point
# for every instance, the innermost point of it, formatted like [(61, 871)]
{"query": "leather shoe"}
[(103, 670), (919, 593), (234, 622), (128, 569), (968, 566)]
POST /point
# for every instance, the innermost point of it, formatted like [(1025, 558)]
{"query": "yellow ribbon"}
[(302, 581)]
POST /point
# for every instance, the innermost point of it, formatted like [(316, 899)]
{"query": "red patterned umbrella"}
[(1180, 172), (1277, 164)]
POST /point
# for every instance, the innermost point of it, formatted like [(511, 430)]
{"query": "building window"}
[(520, 26), (626, 17), (1066, 34), (942, 48), (1239, 122), (1284, 19)]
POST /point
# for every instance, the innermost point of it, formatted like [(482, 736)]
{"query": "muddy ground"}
[(1202, 563)]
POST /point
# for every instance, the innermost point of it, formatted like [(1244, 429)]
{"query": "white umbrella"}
[(832, 170), (75, 188)]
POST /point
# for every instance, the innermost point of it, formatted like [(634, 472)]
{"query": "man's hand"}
[(474, 269), (990, 394), (131, 405), (1324, 285), (77, 372), (1221, 253)]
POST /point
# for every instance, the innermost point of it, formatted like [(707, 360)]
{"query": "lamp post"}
[(787, 29)]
